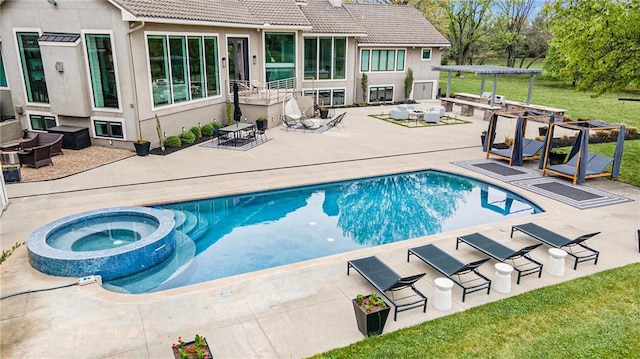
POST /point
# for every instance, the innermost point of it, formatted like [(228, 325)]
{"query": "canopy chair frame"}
[(577, 168)]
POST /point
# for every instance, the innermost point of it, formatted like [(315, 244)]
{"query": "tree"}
[(597, 43), (512, 21), (536, 40), (467, 20)]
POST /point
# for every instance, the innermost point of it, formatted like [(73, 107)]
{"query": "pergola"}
[(484, 70)]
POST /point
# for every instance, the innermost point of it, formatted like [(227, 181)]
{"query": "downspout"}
[(136, 110)]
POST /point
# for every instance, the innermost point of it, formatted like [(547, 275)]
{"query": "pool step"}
[(189, 223), (151, 279)]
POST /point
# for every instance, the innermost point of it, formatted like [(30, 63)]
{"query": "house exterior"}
[(113, 65)]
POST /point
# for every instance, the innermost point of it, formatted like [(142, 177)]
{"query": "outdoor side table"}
[(502, 278), (555, 266), (442, 296)]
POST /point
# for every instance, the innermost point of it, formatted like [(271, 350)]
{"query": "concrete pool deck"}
[(285, 312)]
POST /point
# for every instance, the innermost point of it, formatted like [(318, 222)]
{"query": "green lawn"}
[(591, 317)]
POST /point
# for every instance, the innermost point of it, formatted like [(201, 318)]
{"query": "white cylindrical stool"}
[(556, 262), (442, 297), (502, 278)]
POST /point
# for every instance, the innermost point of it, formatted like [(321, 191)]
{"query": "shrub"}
[(172, 142), (196, 131), (188, 138), (632, 130), (207, 129)]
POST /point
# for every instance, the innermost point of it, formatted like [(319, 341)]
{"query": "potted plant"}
[(324, 112), (542, 131), (11, 174), (198, 348), (263, 124), (371, 313), (142, 147)]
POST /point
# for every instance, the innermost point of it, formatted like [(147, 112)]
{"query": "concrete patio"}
[(285, 312)]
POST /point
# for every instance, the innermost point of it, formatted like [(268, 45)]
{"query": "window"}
[(280, 49), (183, 68), (327, 97), (32, 68), (382, 60), (381, 94), (102, 70), (3, 76), (324, 58), (42, 122), (426, 54), (108, 129)]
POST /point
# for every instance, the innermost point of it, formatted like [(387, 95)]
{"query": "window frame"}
[(186, 35), (42, 114), (19, 59), (108, 120), (370, 54), (3, 68), (83, 34), (386, 87), (318, 60), (332, 90), (422, 54)]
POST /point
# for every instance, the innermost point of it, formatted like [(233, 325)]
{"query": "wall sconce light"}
[(224, 62), (165, 135), (199, 124), (52, 2), (255, 59), (110, 142), (184, 128)]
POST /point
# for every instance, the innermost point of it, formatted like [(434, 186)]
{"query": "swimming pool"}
[(226, 236)]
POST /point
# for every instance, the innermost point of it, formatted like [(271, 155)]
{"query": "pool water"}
[(226, 236)]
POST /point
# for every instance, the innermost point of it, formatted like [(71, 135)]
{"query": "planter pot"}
[(142, 149), (191, 351), (542, 131), (11, 174), (324, 114), (370, 323), (557, 158)]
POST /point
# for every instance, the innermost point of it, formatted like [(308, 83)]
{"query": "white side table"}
[(555, 266), (502, 278), (442, 297)]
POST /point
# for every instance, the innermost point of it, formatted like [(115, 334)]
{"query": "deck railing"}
[(273, 91)]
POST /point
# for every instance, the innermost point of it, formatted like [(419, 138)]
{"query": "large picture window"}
[(280, 49), (324, 58), (183, 68), (32, 67), (102, 70), (382, 60)]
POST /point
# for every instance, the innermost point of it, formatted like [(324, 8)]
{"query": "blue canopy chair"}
[(583, 164), (522, 148)]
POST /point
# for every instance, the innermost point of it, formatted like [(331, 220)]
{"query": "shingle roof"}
[(394, 24), (328, 19), (247, 12)]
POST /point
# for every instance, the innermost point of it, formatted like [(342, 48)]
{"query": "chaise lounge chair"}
[(519, 259), (558, 241), (595, 167), (530, 149), (336, 120), (384, 279), (466, 276)]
